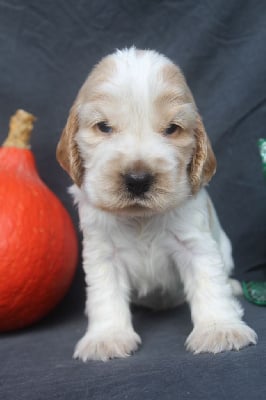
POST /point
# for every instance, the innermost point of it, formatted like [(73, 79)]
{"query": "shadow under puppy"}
[(137, 151)]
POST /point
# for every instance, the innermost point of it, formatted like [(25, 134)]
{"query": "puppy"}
[(137, 151)]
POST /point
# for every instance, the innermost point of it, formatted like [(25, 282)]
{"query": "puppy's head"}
[(134, 140)]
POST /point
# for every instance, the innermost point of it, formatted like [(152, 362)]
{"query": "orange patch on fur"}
[(67, 152)]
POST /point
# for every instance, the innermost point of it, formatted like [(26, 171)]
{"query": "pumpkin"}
[(38, 243)]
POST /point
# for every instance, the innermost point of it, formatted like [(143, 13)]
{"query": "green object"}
[(262, 147), (255, 292)]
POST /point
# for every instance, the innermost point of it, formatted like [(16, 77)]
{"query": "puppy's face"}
[(134, 141)]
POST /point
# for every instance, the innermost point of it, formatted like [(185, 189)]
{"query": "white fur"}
[(146, 256), (163, 257)]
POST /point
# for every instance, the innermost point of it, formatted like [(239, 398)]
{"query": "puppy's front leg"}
[(216, 314), (110, 333)]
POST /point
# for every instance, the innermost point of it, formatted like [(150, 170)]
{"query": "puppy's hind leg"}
[(225, 248), (226, 252)]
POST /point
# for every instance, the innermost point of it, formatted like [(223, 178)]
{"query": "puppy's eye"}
[(104, 127), (171, 129)]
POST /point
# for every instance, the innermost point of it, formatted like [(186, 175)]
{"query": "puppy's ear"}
[(67, 152), (203, 163)]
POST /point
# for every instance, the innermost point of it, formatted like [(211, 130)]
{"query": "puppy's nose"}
[(138, 183)]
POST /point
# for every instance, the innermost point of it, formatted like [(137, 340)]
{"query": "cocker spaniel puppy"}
[(137, 151)]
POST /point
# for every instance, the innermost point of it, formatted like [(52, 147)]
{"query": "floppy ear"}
[(203, 163), (67, 152)]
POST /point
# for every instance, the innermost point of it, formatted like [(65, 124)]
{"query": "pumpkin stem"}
[(20, 128)]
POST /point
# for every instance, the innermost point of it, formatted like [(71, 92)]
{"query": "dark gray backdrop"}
[(48, 47), (46, 50)]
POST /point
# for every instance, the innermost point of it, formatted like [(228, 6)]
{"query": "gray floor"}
[(37, 363)]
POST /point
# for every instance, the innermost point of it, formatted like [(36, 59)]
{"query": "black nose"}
[(138, 183)]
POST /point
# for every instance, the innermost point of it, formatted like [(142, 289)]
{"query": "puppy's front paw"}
[(218, 337), (104, 345)]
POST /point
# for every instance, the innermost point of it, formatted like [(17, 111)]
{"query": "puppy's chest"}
[(143, 251)]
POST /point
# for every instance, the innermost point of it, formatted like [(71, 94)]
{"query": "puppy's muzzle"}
[(138, 183)]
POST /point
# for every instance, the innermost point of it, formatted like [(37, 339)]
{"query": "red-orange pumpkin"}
[(38, 244)]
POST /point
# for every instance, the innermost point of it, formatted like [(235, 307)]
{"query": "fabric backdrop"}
[(47, 48)]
